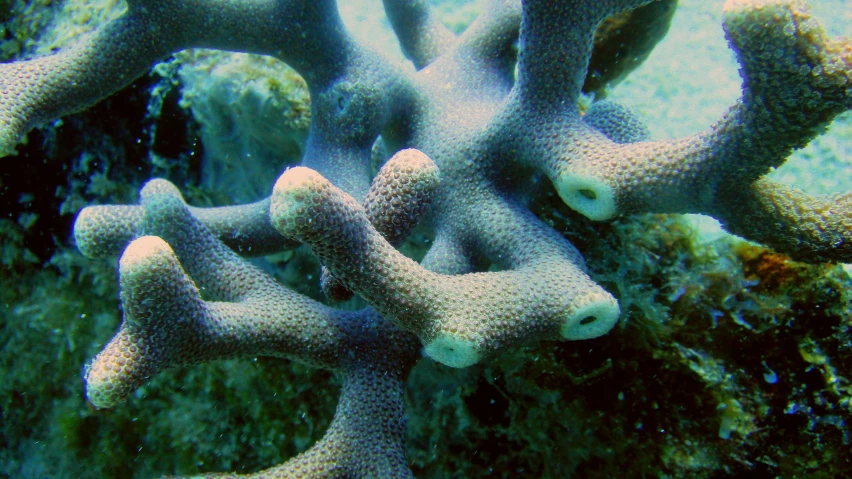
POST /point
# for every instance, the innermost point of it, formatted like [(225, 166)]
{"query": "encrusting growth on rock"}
[(473, 141)]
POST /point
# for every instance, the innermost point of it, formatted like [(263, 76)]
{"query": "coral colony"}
[(485, 116)]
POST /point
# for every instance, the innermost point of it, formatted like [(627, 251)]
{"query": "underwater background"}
[(729, 359)]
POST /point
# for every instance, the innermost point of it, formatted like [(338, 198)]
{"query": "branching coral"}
[(490, 137)]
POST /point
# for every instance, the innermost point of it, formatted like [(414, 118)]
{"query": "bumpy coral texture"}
[(496, 276)]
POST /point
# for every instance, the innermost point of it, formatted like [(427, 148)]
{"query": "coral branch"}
[(460, 319), (399, 196), (796, 80), (104, 231), (168, 323), (556, 47), (807, 228), (422, 37)]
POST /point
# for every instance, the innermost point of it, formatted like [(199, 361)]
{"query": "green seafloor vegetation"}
[(730, 360)]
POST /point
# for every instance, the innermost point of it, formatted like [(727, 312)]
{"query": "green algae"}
[(698, 382), (226, 415)]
